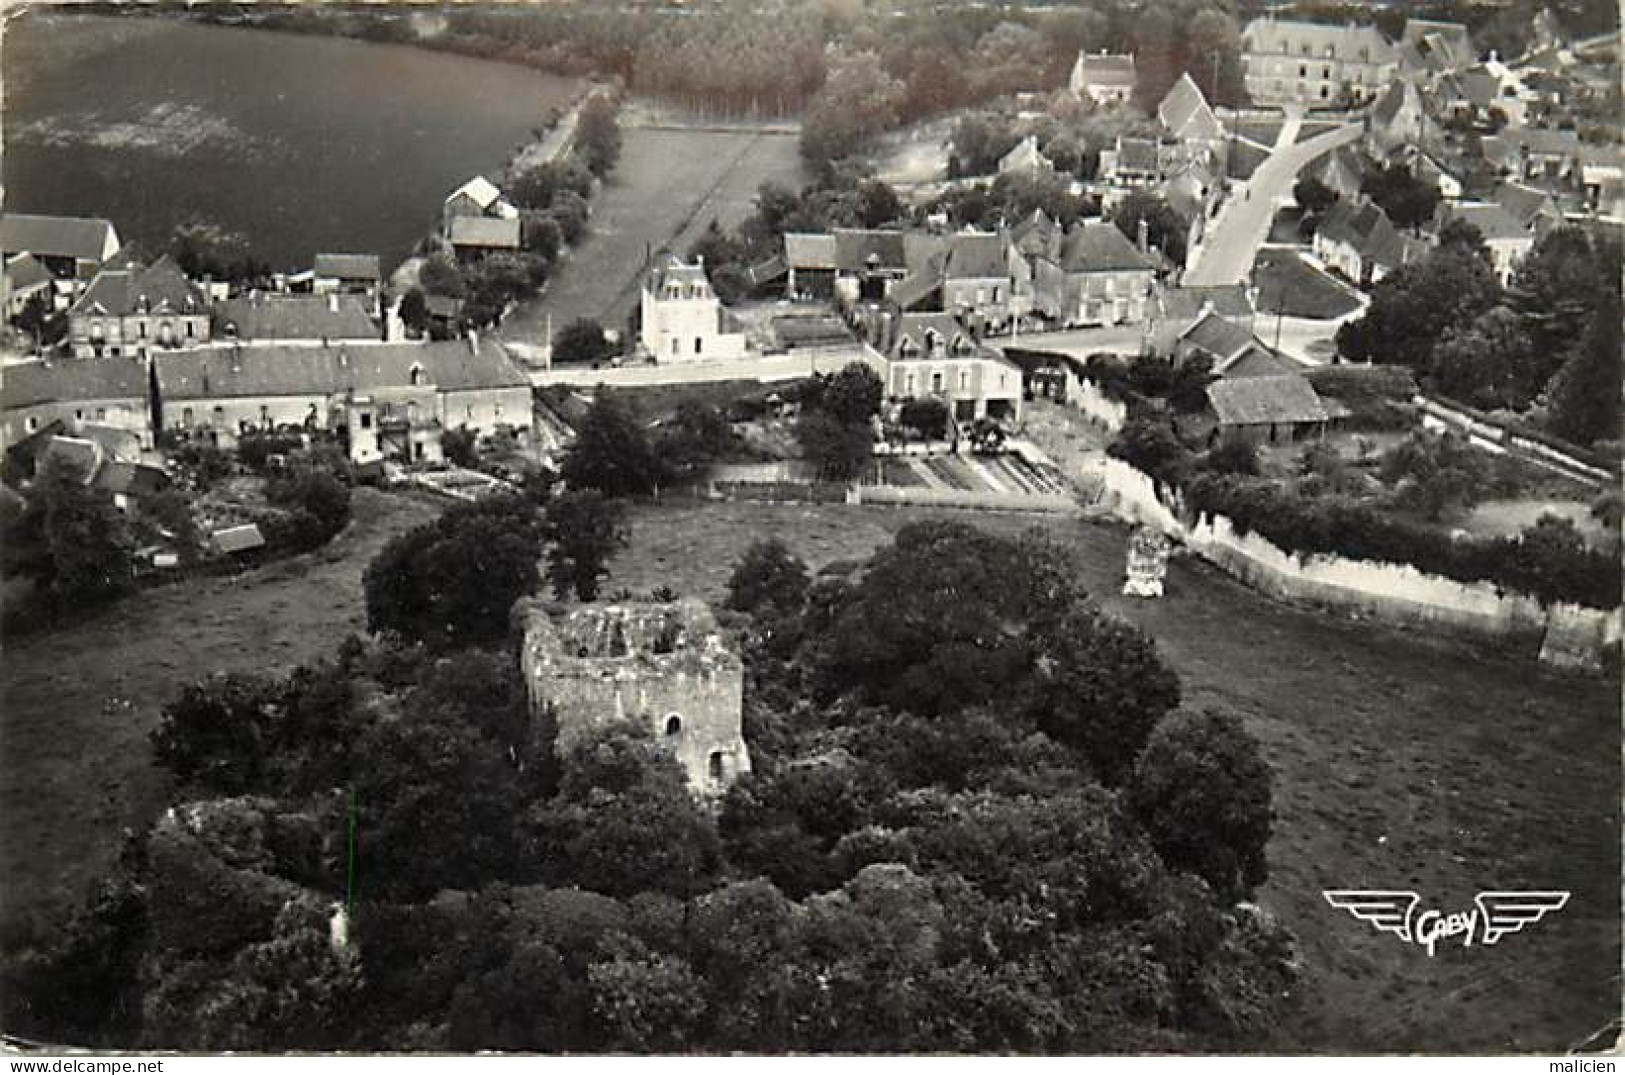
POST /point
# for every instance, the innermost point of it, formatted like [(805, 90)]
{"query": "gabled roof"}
[(242, 538), (1187, 302), (28, 384), (480, 190), (1025, 157), (976, 255), (668, 268), (1185, 113), (1286, 399), (1399, 93), (85, 238), (1367, 229), (1037, 235), (1442, 45), (159, 288), (227, 373), (348, 266), (295, 317), (1491, 220), (1105, 70), (925, 254), (1512, 141), (24, 272), (134, 479), (1100, 247), (918, 329), (491, 233), (1221, 338), (1526, 204), (859, 249), (809, 250), (1343, 41), (914, 292)]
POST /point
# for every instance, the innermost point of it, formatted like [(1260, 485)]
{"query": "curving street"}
[(1244, 222)]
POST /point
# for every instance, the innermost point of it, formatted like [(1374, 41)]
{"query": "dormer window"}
[(417, 375)]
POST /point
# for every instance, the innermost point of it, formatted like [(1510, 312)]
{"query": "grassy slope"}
[(76, 705), (1402, 761)]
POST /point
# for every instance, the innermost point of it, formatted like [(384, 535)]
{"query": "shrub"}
[(926, 417)]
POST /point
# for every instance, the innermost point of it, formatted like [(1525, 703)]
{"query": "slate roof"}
[(810, 250), (134, 479), (1289, 36), (1491, 220), (480, 190), (1186, 302), (1025, 157), (1100, 247), (1286, 399), (348, 266), (28, 384), (120, 292), (1367, 229), (1440, 45), (669, 268), (489, 233), (238, 538), (774, 268), (1217, 336), (226, 373), (1185, 113), (1525, 204), (56, 236), (1036, 235), (1103, 69), (914, 291), (25, 271), (855, 247), (296, 317), (975, 255), (925, 254)]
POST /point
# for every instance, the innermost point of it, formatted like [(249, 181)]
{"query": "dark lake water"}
[(302, 143)]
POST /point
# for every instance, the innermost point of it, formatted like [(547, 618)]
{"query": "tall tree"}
[(612, 452), (584, 530), (1585, 393)]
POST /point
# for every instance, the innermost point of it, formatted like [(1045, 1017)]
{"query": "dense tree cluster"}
[(620, 453), (835, 429), (1045, 860), (1546, 347)]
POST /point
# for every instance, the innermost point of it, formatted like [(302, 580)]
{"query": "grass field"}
[(1288, 284), (76, 704), (668, 187), (1401, 761)]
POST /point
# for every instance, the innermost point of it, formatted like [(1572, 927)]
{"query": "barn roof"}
[(1287, 399)]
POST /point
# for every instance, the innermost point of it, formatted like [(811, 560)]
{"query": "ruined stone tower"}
[(663, 664)]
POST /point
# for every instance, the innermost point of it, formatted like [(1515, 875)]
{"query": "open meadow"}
[(670, 184), (77, 703)]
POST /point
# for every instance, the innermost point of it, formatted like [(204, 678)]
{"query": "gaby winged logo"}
[(1493, 916)]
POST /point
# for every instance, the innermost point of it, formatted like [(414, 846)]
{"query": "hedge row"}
[(1545, 569)]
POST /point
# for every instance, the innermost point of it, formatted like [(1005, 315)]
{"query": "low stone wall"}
[(1563, 635), (923, 496), (1085, 396)]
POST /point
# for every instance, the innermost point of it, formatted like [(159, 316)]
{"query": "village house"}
[(1032, 238), (474, 237), (1026, 160), (1094, 276), (666, 666), (933, 356), (682, 319), (1533, 154), (1399, 119), (1231, 350), (1359, 241), (1267, 410), (976, 283), (1488, 94), (847, 264), (1534, 209), (1508, 240), (1104, 78), (349, 274), (129, 311), (1291, 61), (1429, 48), (266, 319), (71, 248), (25, 277), (386, 400), (1172, 310), (1341, 170), (35, 394), (479, 197), (101, 463), (1186, 117)]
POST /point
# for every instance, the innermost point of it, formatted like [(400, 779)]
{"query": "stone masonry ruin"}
[(664, 665)]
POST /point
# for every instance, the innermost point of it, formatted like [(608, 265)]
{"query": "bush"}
[(1233, 455), (582, 342), (926, 417), (318, 506)]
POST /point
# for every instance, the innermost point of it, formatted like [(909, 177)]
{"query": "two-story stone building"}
[(1093, 276), (933, 356), (682, 320), (136, 309), (1310, 63)]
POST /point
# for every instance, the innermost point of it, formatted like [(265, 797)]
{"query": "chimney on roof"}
[(333, 302), (1143, 236), (473, 342), (699, 259)]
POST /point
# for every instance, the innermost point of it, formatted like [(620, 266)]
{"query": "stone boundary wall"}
[(1391, 593)]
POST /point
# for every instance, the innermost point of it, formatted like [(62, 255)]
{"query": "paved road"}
[(1243, 224)]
